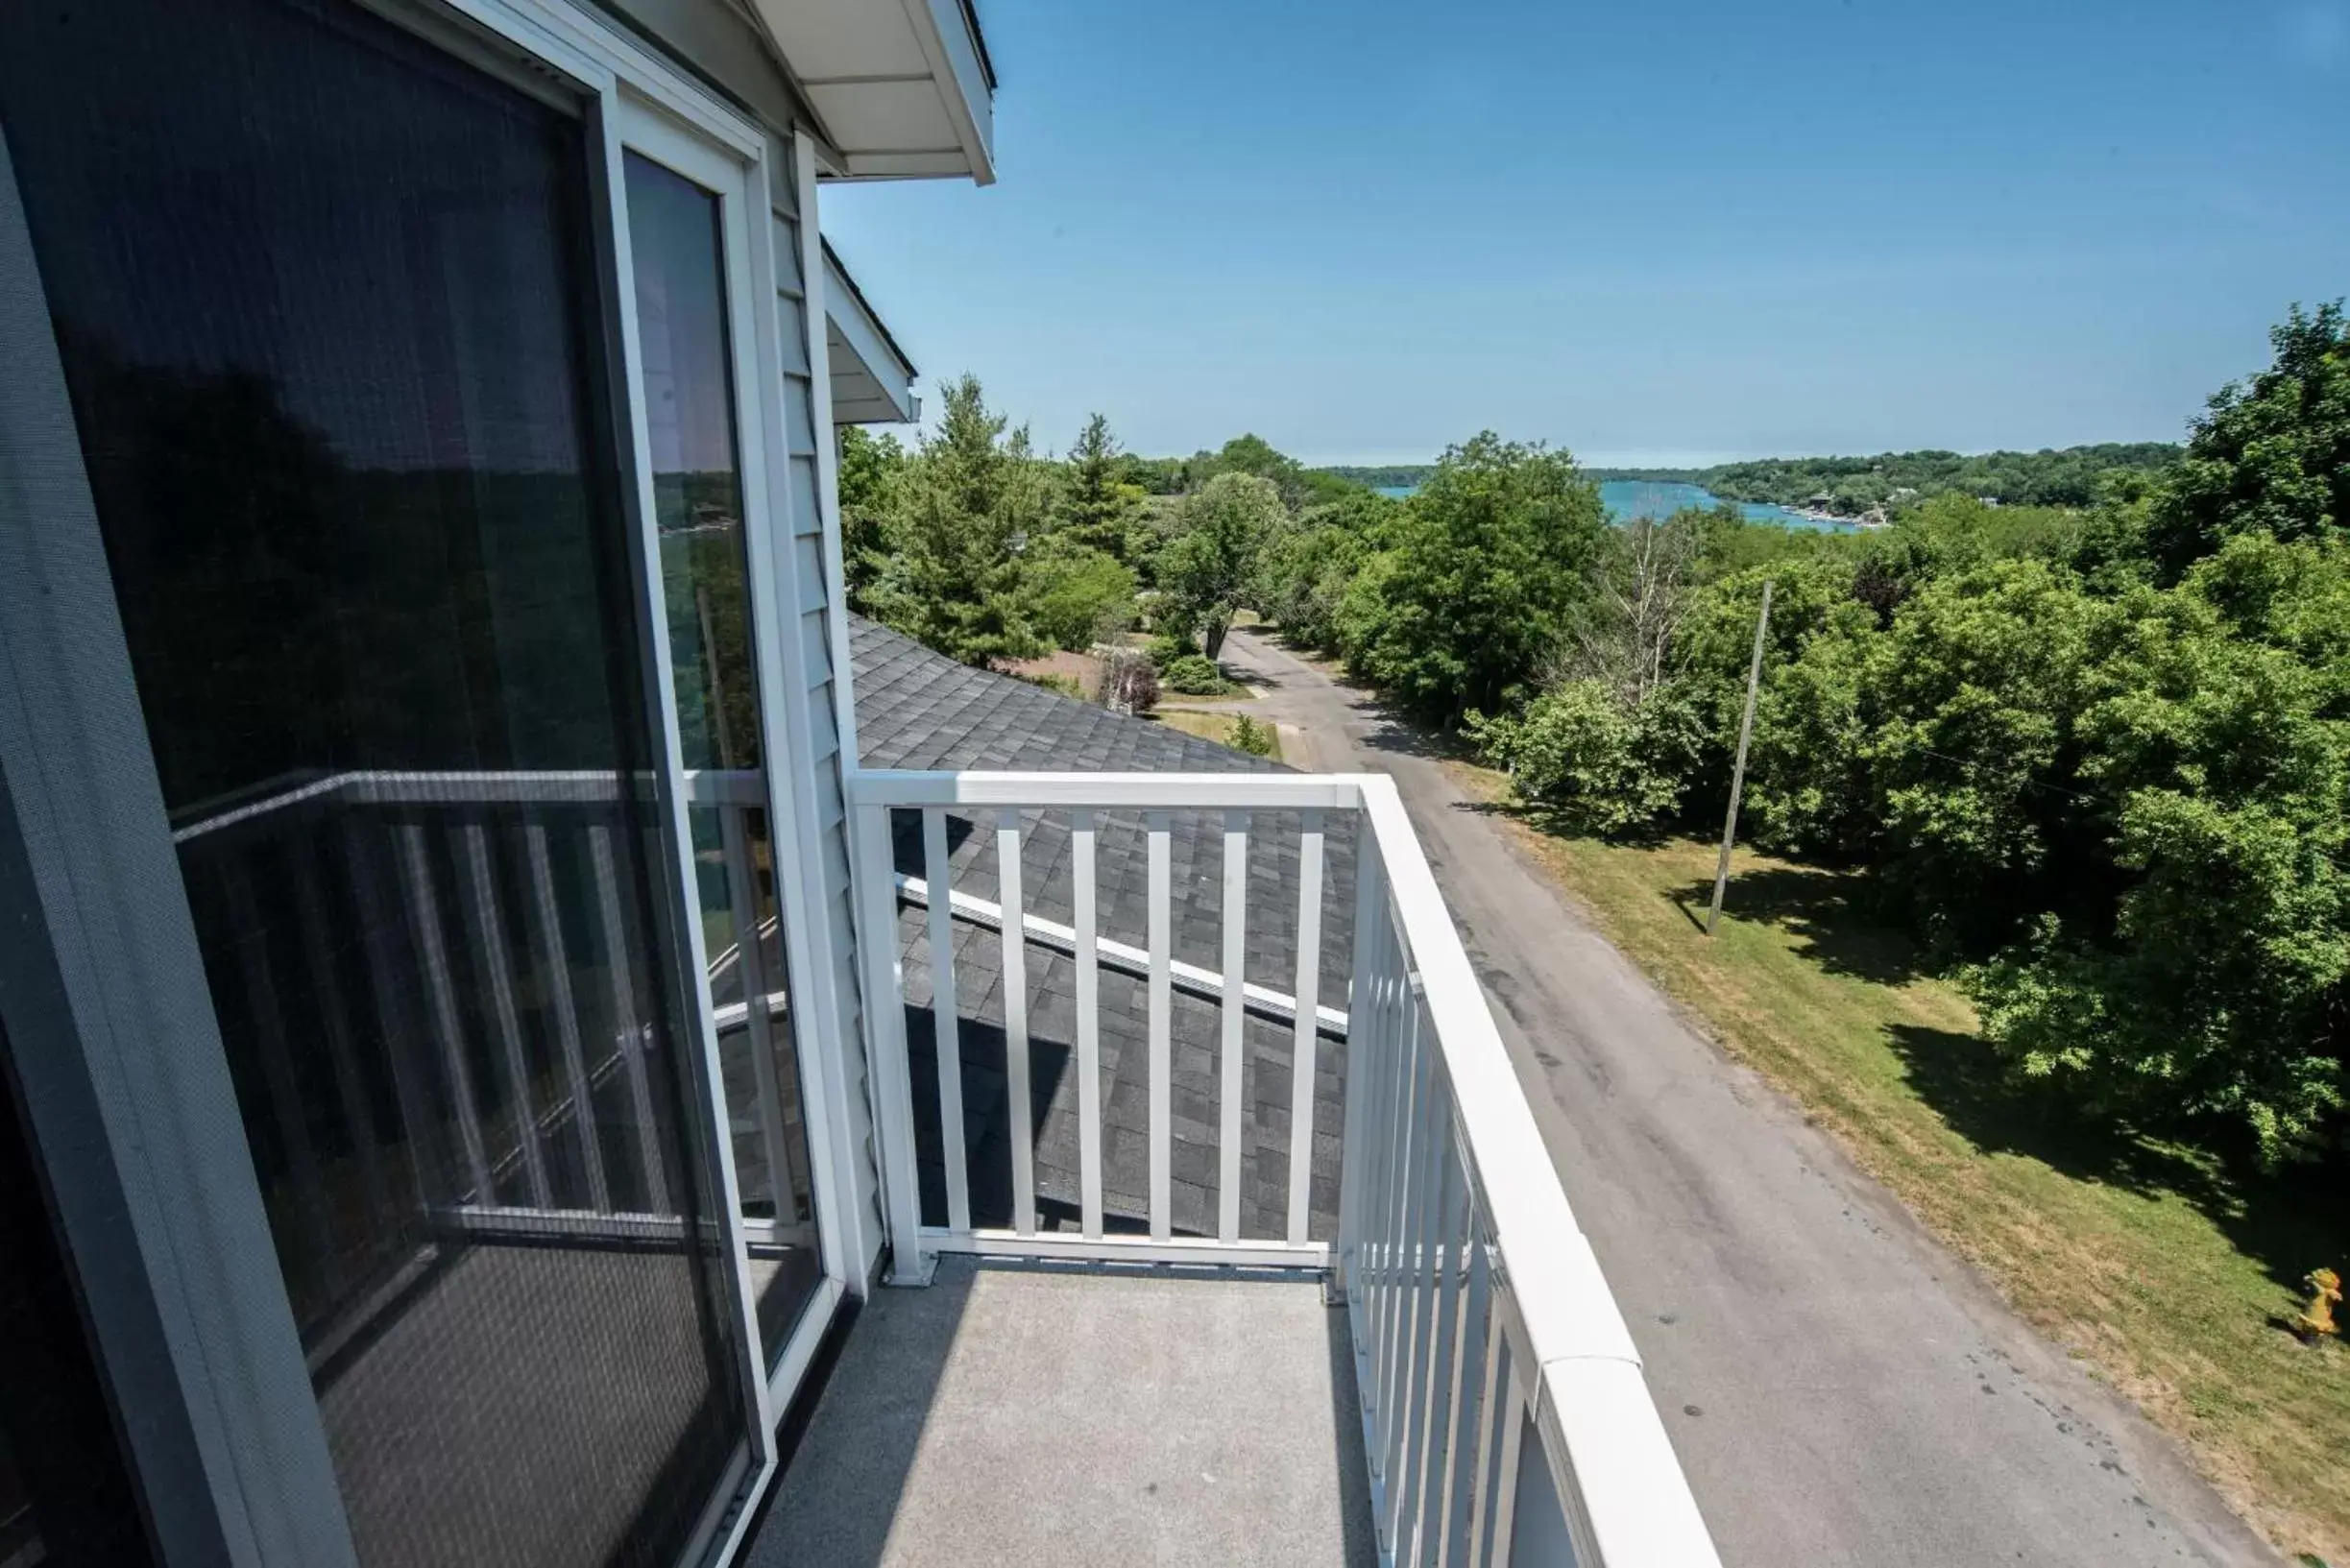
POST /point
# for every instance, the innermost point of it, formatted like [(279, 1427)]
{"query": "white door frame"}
[(736, 174)]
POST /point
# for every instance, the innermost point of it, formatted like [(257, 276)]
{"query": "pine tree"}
[(969, 502), (1100, 508), (871, 469)]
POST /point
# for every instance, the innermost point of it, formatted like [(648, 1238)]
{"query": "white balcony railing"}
[(1504, 1418)]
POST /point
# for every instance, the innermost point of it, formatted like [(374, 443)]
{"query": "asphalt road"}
[(1840, 1388)]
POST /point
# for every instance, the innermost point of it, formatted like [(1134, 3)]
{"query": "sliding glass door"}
[(415, 374)]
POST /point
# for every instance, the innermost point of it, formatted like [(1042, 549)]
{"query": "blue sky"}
[(1647, 230)]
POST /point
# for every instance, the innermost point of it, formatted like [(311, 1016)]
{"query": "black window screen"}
[(325, 299), (66, 1499)]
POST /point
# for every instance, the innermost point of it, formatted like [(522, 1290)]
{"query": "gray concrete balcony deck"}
[(1046, 1415)]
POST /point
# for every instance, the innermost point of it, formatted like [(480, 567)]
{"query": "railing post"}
[(1305, 1036), (1018, 1084), (946, 1037), (886, 1066), (1162, 1085), (486, 924), (1089, 1025), (1362, 1033), (1232, 1039)]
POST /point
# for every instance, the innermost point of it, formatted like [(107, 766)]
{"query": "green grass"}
[(2160, 1267), (1209, 724)]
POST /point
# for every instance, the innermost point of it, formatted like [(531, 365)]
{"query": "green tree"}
[(2070, 477), (1807, 780), (1098, 507), (2272, 453), (1252, 454), (970, 502), (1209, 568), (2216, 985), (1486, 570), (1078, 597), (869, 470), (1973, 698), (1311, 562)]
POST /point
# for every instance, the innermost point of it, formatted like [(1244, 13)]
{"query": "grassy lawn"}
[(2158, 1267), (1208, 724)]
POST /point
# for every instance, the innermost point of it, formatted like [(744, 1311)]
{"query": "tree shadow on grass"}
[(2288, 1221), (1826, 909)]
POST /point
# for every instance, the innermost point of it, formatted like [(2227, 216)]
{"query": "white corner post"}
[(910, 1263)]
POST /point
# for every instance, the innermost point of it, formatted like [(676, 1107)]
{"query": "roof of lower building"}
[(917, 709)]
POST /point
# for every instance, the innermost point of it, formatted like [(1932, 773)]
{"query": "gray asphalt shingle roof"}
[(918, 709)]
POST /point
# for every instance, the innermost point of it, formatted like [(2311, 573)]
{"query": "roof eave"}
[(902, 90), (872, 378)]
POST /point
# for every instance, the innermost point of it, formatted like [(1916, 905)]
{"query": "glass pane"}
[(327, 305), (676, 238)]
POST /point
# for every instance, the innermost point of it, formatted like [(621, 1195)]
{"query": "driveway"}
[(1839, 1387)]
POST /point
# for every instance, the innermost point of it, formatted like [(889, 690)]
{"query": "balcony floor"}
[(1045, 1415)]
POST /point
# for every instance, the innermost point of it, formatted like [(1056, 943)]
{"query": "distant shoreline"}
[(2070, 476)]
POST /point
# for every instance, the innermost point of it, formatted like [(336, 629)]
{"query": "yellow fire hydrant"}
[(2325, 1290)]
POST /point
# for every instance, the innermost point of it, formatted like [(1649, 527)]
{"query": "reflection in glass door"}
[(677, 241)]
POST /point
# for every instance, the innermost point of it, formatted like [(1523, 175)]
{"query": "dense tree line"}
[(2066, 476), (1248, 455), (2101, 759), (1391, 476), (1850, 486), (978, 545)]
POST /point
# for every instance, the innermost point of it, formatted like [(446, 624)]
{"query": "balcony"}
[(1239, 1239), (1370, 1331)]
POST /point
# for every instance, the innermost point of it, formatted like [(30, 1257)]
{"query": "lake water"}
[(1628, 498)]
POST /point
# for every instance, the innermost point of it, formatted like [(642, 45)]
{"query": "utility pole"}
[(1738, 774)]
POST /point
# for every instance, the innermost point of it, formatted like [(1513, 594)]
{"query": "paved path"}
[(1839, 1387)]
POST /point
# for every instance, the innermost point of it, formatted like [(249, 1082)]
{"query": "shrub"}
[(1258, 739), (1167, 647), (1195, 674), (1578, 754)]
